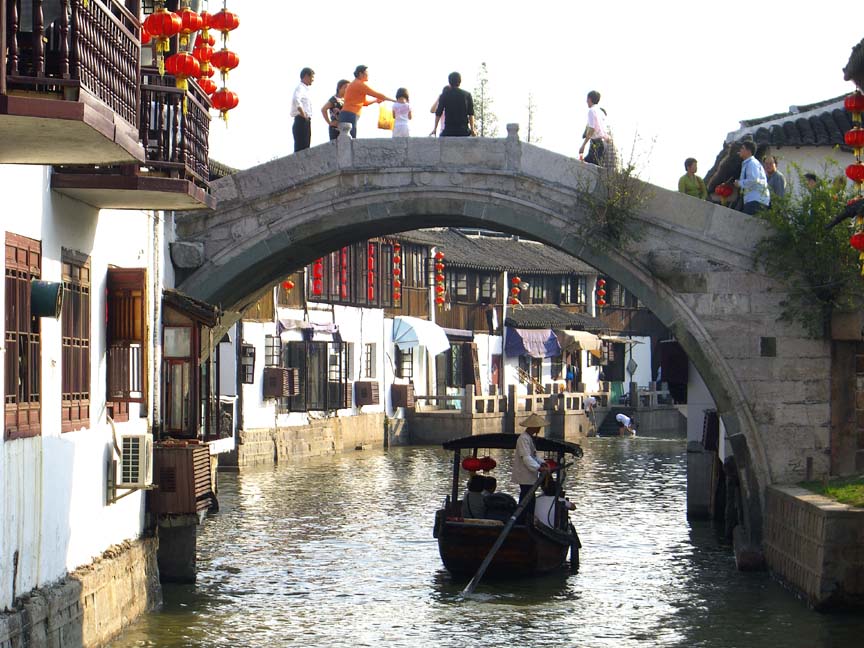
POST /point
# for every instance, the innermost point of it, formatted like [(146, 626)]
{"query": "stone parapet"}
[(91, 605), (815, 545)]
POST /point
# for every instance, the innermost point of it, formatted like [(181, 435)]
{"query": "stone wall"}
[(318, 438), (91, 605), (815, 545)]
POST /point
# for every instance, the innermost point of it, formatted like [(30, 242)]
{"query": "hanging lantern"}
[(203, 53), (190, 22), (439, 256), (515, 281), (224, 21), (343, 291), (601, 303), (397, 283), (857, 241), (471, 464), (601, 282), (723, 191), (224, 100), (183, 66), (440, 290), (287, 285), (370, 293), (601, 292), (145, 36), (439, 300), (439, 277), (855, 172), (439, 267), (487, 464), (370, 279), (396, 272), (396, 247), (318, 269), (162, 25), (514, 291), (224, 60), (855, 138), (854, 103), (397, 259), (397, 295), (514, 302), (317, 287), (208, 86)]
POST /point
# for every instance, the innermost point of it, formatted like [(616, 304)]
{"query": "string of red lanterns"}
[(439, 278), (474, 464), (515, 289), (601, 292), (370, 276), (854, 103), (318, 277), (343, 273), (397, 273), (287, 286)]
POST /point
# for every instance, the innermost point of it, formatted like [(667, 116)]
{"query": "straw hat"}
[(533, 421)]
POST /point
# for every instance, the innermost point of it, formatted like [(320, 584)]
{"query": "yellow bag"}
[(385, 117)]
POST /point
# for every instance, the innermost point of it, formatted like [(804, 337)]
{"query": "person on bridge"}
[(401, 114), (301, 111), (690, 183), (333, 107), (355, 98), (597, 133), (526, 465), (753, 182), (457, 107)]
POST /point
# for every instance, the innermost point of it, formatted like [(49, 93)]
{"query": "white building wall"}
[(699, 399), (641, 354), (53, 509)]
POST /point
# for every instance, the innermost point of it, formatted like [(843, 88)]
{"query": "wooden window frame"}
[(487, 287), (457, 283), (327, 390), (404, 364), (272, 351), (369, 360), (75, 332), (23, 416), (126, 334), (192, 382), (247, 369)]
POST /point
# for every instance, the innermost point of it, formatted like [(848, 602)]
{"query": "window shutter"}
[(127, 334)]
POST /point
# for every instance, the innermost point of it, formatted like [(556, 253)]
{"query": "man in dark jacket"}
[(457, 106)]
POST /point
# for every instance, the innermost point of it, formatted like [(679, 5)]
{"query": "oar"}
[(469, 589)]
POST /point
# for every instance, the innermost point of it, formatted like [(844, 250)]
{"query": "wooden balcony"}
[(175, 174), (69, 82)]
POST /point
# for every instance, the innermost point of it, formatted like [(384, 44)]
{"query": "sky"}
[(675, 77)]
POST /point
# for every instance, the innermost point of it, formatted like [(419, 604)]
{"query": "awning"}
[(537, 343), (619, 340), (320, 332), (568, 339), (410, 332), (459, 335)]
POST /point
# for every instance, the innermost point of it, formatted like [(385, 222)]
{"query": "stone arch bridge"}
[(693, 265)]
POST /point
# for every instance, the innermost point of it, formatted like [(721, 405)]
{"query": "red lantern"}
[(515, 281), (855, 172), (397, 296), (208, 86), (397, 283), (370, 293), (396, 272), (162, 25), (183, 66), (370, 279), (723, 190), (514, 302), (439, 267), (439, 300), (854, 103), (514, 291), (487, 464), (203, 53), (439, 290), (601, 303), (439, 256), (439, 277), (397, 259), (224, 100), (317, 287), (343, 291), (145, 36), (190, 22), (224, 60), (288, 285), (224, 21), (857, 241), (855, 137), (601, 293), (471, 464), (601, 282)]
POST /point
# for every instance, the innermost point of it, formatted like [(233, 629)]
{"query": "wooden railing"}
[(465, 315), (93, 45), (415, 302), (176, 142)]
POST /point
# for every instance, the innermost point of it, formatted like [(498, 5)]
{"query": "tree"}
[(485, 120), (812, 258), (532, 137)]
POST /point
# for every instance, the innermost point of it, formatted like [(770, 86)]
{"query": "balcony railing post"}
[(38, 43), (3, 46), (12, 45), (65, 10)]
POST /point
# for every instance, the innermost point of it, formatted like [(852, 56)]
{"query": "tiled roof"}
[(551, 316), (495, 253), (854, 70), (219, 170), (819, 124)]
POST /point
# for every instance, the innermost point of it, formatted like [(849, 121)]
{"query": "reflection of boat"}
[(529, 548)]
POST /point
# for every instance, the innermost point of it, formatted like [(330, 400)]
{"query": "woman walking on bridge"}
[(355, 98)]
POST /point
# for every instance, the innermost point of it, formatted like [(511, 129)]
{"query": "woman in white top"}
[(401, 114)]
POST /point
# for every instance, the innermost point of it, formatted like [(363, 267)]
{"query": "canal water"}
[(338, 552)]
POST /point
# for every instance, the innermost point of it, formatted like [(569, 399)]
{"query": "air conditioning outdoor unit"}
[(136, 461), (366, 393)]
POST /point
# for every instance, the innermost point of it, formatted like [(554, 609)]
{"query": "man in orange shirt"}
[(355, 98)]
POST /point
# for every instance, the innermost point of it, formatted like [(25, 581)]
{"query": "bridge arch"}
[(693, 265)]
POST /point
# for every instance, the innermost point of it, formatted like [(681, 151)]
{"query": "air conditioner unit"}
[(136, 461), (366, 393)]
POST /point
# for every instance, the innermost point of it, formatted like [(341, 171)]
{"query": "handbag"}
[(385, 118)]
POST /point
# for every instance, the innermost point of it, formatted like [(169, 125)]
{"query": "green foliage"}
[(532, 137), (848, 490), (485, 120), (817, 264)]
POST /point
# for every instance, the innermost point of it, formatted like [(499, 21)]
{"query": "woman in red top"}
[(355, 98)]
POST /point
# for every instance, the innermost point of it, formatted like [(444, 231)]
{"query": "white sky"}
[(675, 77)]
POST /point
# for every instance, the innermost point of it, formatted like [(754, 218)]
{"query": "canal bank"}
[(349, 537)]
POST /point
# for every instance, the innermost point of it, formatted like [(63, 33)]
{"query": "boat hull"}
[(525, 552)]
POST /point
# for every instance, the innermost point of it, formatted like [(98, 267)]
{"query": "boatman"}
[(626, 425), (526, 465)]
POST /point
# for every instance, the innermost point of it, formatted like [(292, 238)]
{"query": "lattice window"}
[(126, 333), (22, 339), (75, 328), (369, 360), (488, 287), (272, 351), (404, 364)]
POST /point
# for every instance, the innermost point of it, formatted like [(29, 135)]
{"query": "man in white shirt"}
[(753, 182), (526, 465), (626, 425), (597, 134), (301, 111)]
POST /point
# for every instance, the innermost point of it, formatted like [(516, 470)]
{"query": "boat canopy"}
[(506, 441)]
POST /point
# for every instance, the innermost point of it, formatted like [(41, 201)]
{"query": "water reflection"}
[(339, 552)]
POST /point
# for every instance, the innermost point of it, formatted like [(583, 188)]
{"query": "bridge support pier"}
[(178, 543)]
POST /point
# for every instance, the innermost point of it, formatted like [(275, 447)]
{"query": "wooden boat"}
[(529, 549)]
